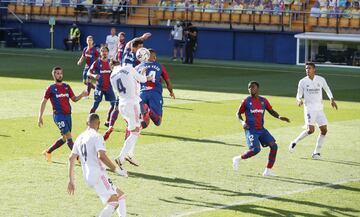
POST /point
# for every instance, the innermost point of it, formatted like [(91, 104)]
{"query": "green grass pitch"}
[(186, 162)]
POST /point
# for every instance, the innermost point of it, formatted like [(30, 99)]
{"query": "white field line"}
[(243, 202), (204, 66)]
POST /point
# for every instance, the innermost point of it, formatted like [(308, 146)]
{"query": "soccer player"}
[(90, 147), (121, 46), (101, 70), (59, 94), (111, 42), (131, 47), (126, 82), (254, 107), (90, 54), (310, 87), (151, 91)]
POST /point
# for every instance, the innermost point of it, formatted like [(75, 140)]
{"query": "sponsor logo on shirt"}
[(257, 111), (105, 71), (62, 95)]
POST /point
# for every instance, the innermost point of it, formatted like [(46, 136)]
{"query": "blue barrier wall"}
[(259, 46)]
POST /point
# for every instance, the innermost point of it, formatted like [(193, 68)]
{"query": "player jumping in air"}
[(254, 107), (310, 87), (59, 94)]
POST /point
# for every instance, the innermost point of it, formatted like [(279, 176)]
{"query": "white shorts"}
[(315, 117), (131, 113), (104, 188)]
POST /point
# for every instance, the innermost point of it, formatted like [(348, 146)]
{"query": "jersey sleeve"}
[(71, 92), (96, 53), (300, 91), (47, 93), (242, 107), (76, 144), (138, 76), (327, 89), (164, 73), (100, 143), (267, 105)]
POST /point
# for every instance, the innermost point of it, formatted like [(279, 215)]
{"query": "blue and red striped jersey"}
[(102, 68), (91, 55), (254, 109), (59, 95)]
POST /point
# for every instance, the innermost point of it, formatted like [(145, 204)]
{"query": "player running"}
[(126, 82), (254, 107), (90, 146), (59, 94), (151, 91), (101, 70), (90, 54), (310, 87)]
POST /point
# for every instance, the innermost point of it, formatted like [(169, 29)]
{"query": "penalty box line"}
[(266, 197)]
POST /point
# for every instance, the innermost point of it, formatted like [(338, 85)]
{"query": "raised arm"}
[(143, 37)]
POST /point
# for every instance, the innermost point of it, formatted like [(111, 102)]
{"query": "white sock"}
[(108, 210), (129, 145), (302, 135), (320, 141), (121, 210)]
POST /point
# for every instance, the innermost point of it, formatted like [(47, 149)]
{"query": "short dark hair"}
[(104, 47), (310, 64), (253, 82), (152, 50), (137, 42), (55, 69), (92, 117)]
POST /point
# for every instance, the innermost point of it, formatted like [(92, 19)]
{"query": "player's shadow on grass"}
[(2, 135), (179, 108), (252, 208), (189, 139), (308, 182), (194, 100), (183, 183), (350, 163)]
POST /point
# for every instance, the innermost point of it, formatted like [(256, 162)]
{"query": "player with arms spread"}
[(254, 107), (90, 147), (310, 87), (59, 94)]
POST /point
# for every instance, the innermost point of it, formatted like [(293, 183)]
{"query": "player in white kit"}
[(126, 83), (112, 42), (310, 88), (90, 147)]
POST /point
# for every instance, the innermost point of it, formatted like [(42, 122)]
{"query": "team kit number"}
[(152, 74), (61, 124), (120, 86), (83, 151)]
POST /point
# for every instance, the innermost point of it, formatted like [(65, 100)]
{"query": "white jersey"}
[(126, 83), (87, 145), (112, 42), (311, 90)]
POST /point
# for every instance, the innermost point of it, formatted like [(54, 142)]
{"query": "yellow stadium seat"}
[(312, 21), (53, 10), (27, 9), (275, 19), (265, 19), (245, 18), (206, 17), (45, 10), (19, 9), (36, 10), (160, 14), (179, 15), (225, 17), (344, 22), (323, 22), (62, 11), (168, 15), (70, 11), (255, 18), (215, 17), (355, 23), (11, 7), (286, 20), (235, 18), (196, 16), (332, 22)]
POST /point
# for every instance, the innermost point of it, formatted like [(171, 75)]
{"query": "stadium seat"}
[(355, 23), (286, 20), (45, 10), (27, 9), (323, 22), (160, 14), (256, 18), (70, 11), (168, 15), (19, 9), (179, 15), (11, 7), (53, 11), (275, 20), (215, 17), (206, 17), (265, 19), (312, 21), (344, 22), (36, 10), (235, 18), (225, 17), (196, 16), (62, 11), (332, 22), (245, 19)]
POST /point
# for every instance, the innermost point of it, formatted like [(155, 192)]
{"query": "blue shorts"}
[(178, 43), (109, 95), (85, 77), (255, 137), (154, 100), (63, 122)]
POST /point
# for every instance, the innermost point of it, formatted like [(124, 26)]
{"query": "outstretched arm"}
[(81, 95), (276, 115), (41, 111)]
